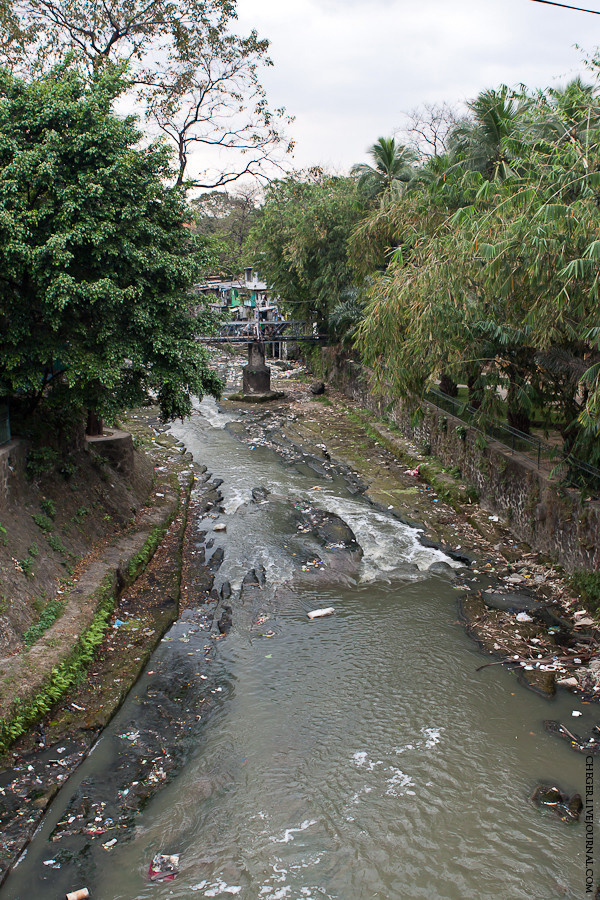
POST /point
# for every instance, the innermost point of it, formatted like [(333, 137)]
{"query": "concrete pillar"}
[(256, 375)]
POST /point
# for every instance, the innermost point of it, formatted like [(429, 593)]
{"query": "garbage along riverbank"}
[(187, 689), (41, 760)]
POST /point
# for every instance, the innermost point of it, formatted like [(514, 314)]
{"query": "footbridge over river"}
[(256, 385)]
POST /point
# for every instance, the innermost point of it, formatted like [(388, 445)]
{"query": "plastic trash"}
[(523, 617), (164, 868), (576, 713), (319, 613), (220, 527), (81, 894)]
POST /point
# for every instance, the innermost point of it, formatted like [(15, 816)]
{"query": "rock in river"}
[(552, 800)]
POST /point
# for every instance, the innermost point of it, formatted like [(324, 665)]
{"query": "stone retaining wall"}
[(116, 447), (554, 520)]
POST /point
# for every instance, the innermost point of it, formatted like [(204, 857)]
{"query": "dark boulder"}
[(226, 620), (551, 800)]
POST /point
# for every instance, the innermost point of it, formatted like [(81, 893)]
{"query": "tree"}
[(495, 277), (489, 142), (299, 242), (228, 218), (96, 263), (196, 80), (394, 167), (428, 128), (37, 32)]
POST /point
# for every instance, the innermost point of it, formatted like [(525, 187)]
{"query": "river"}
[(350, 757)]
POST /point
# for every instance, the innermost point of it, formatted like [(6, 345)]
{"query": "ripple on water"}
[(360, 756)]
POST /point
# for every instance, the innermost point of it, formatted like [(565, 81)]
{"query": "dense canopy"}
[(95, 260)]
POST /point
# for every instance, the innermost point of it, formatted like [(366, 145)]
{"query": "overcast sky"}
[(347, 69)]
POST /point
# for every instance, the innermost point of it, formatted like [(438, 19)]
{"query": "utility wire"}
[(594, 12)]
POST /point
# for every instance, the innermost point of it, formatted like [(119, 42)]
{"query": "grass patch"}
[(48, 617), (48, 507), (25, 712), (43, 522), (587, 585), (141, 559), (56, 544)]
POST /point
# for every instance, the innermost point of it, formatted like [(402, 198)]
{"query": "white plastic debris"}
[(523, 617), (576, 713), (319, 613)]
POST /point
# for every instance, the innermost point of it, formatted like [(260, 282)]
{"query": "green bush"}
[(48, 507), (43, 522), (26, 566), (40, 461), (56, 544)]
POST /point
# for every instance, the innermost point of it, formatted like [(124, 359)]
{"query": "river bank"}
[(128, 588), (330, 438)]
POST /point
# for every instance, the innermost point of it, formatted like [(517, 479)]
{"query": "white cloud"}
[(348, 68)]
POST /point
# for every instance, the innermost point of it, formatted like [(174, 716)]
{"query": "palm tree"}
[(490, 141), (394, 166), (569, 115)]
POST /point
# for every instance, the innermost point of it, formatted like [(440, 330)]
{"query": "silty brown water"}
[(357, 756)]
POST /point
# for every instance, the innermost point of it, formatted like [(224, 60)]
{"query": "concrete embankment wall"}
[(551, 518)]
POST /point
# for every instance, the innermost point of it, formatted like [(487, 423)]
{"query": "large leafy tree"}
[(299, 242), (95, 259), (195, 78), (227, 217)]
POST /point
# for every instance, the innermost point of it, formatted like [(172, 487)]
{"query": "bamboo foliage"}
[(492, 267)]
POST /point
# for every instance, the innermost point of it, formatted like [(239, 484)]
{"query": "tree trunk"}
[(448, 385), (519, 419), (516, 416), (95, 425), (474, 389)]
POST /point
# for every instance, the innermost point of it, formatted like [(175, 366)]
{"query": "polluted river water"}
[(350, 757)]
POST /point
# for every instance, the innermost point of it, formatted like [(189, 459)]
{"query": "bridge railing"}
[(243, 332)]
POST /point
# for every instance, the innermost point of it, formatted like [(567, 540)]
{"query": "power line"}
[(594, 12)]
